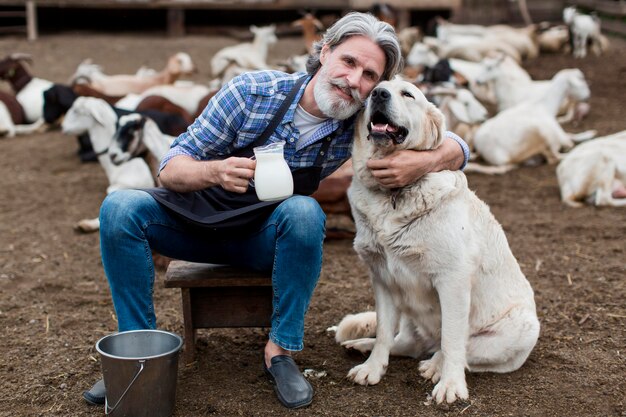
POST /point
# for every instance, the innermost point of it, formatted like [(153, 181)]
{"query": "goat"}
[(530, 128), (512, 85), (12, 118), (122, 84), (188, 96), (553, 39), (408, 37), (464, 73), (94, 115), (28, 89), (583, 29), (136, 133), (595, 172), (311, 27), (385, 12), (523, 40), (252, 56), (462, 111)]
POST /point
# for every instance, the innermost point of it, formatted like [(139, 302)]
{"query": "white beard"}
[(331, 104)]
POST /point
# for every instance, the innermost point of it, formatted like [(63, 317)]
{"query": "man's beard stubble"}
[(330, 103)]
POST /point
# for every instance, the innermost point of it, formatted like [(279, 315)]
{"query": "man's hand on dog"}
[(401, 167)]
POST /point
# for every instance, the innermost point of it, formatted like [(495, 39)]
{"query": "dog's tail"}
[(356, 326), (489, 169)]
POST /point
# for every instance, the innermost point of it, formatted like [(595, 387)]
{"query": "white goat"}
[(472, 48), (462, 111), (553, 39), (184, 94), (135, 133), (523, 40), (422, 55), (94, 115), (595, 172), (252, 56), (584, 28), (122, 84), (512, 85), (530, 128)]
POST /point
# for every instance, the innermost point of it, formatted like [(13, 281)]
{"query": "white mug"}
[(272, 176)]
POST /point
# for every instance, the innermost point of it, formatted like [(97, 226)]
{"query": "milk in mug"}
[(272, 176)]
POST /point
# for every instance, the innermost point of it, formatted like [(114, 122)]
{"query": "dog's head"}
[(398, 116)]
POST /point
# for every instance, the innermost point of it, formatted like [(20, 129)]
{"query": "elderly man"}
[(209, 166)]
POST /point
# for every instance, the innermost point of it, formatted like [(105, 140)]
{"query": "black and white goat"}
[(135, 134), (94, 115)]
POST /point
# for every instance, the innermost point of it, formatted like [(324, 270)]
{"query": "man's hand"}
[(401, 168), (405, 167), (184, 174), (234, 173)]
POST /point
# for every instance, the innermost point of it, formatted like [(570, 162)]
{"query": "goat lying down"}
[(28, 89), (595, 172), (530, 128), (13, 119), (123, 84), (94, 115)]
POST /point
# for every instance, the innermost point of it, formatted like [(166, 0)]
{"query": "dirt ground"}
[(55, 303)]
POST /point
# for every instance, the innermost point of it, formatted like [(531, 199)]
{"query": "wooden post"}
[(175, 22), (31, 20)]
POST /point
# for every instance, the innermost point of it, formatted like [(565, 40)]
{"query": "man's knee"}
[(303, 215), (122, 206)]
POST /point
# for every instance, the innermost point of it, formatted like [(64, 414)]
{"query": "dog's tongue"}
[(383, 128)]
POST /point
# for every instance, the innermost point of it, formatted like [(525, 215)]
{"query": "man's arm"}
[(183, 174), (405, 167)]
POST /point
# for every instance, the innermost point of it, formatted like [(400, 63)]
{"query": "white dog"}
[(595, 172), (444, 278)]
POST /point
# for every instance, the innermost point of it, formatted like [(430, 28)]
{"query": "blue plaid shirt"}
[(241, 111)]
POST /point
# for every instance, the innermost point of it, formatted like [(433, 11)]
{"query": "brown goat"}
[(14, 107), (162, 104), (310, 30)]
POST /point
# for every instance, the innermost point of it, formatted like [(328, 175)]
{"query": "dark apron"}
[(217, 209)]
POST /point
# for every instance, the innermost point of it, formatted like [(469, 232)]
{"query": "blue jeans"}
[(289, 243)]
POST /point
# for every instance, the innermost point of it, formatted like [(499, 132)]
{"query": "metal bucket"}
[(140, 369)]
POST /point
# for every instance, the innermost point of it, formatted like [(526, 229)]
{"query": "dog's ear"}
[(434, 127)]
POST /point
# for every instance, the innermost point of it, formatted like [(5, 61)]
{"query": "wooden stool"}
[(219, 296)]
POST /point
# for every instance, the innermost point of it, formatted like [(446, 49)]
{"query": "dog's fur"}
[(444, 278)]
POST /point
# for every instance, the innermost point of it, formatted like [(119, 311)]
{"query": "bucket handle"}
[(106, 402)]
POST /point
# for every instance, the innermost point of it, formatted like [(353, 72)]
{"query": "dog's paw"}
[(450, 390), (366, 374), (364, 345), (431, 368)]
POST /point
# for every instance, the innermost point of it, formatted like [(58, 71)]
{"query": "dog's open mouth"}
[(381, 128)]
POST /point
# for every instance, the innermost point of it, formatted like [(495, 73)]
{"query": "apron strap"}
[(278, 117), (319, 160)]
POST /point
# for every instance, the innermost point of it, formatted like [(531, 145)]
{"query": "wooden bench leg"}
[(189, 352)]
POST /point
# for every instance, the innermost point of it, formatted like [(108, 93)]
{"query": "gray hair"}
[(360, 24)]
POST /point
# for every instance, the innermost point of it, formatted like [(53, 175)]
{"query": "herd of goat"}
[(464, 69)]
